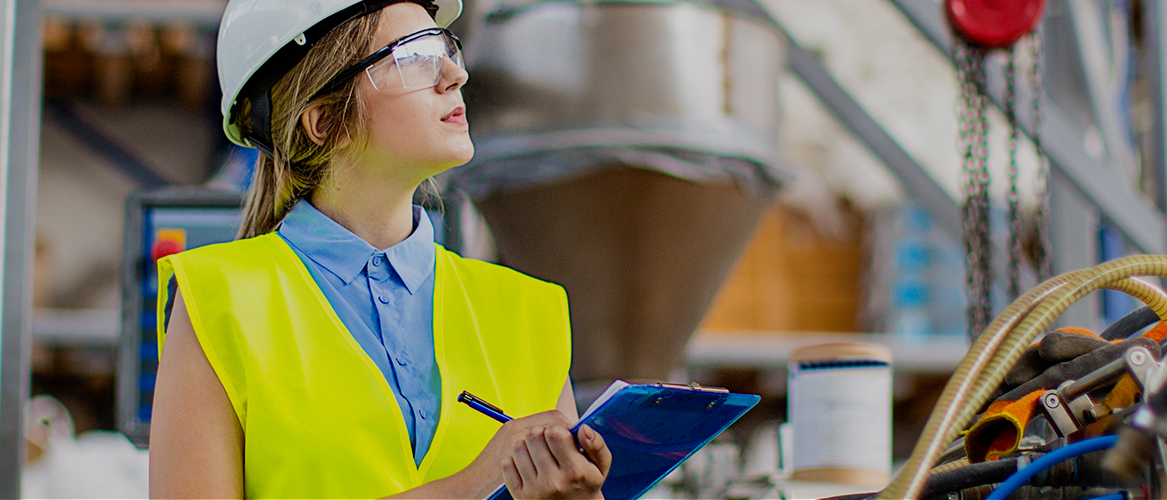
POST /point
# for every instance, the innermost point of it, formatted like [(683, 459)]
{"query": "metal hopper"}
[(626, 151)]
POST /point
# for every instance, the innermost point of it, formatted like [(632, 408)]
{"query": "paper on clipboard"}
[(604, 397), (652, 428)]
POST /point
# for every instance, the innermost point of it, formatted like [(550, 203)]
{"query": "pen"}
[(483, 407), (496, 413)]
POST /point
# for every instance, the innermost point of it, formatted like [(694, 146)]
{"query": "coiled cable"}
[(1001, 344), (911, 477)]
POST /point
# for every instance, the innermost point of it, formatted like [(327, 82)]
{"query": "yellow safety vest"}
[(318, 418)]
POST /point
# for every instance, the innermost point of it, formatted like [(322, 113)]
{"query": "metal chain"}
[(965, 145), (984, 238), (1041, 182), (973, 143), (1013, 199), (977, 208)]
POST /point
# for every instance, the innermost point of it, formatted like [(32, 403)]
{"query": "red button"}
[(164, 247), (993, 24)]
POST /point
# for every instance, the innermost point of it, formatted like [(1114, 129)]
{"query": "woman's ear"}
[(313, 121)]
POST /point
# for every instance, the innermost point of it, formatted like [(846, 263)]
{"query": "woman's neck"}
[(377, 208)]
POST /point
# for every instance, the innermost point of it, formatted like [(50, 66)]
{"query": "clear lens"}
[(415, 64)]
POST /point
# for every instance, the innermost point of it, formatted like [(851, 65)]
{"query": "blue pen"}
[(496, 413), (483, 407)]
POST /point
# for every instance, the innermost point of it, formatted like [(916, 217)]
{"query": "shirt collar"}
[(414, 258), (345, 254)]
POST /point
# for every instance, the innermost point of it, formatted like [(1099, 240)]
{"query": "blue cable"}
[(1049, 460), (1112, 496)]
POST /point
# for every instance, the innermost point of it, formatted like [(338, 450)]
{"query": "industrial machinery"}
[(159, 223), (1074, 416)]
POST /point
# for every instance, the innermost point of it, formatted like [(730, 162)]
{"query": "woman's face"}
[(416, 132)]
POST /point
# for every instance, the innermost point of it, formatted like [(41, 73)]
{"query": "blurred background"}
[(714, 182)]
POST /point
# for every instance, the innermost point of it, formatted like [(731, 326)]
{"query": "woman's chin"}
[(462, 154), (462, 157)]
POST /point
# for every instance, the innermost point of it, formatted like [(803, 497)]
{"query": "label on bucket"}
[(840, 412)]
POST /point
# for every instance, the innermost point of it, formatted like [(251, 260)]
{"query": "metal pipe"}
[(19, 152), (1155, 26), (1108, 373)]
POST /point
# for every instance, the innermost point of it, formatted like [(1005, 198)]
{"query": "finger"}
[(545, 462), (596, 449), (563, 447), (544, 419), (523, 462), (510, 475)]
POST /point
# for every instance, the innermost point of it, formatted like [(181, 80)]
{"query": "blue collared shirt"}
[(386, 299)]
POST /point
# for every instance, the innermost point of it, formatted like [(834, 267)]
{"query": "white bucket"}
[(839, 406)]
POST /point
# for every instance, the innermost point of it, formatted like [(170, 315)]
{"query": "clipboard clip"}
[(693, 386)]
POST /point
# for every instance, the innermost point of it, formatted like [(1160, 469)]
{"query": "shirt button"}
[(384, 299), (422, 413), (378, 260), (400, 360)]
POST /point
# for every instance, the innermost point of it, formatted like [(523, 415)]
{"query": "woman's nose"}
[(454, 76)]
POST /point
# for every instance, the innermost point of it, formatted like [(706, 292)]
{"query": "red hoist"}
[(982, 27)]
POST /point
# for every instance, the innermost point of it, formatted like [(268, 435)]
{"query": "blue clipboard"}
[(652, 428)]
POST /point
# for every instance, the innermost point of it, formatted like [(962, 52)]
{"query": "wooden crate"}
[(792, 277)]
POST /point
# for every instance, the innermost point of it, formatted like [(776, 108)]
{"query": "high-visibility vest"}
[(318, 418)]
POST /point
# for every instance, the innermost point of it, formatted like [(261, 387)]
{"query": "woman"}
[(320, 355)]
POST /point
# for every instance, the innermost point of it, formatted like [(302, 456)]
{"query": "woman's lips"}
[(457, 116)]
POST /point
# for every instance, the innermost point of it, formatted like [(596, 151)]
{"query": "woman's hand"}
[(485, 473), (547, 464), (485, 470)]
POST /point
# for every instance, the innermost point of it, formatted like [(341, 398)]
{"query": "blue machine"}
[(159, 223)]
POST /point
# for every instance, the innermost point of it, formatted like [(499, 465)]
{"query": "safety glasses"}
[(412, 62)]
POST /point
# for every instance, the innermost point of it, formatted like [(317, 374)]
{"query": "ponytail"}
[(268, 200)]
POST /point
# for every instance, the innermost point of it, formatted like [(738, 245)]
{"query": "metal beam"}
[(1155, 26), (1090, 34), (1074, 231), (916, 182), (65, 114), (204, 13), (1129, 210), (20, 99)]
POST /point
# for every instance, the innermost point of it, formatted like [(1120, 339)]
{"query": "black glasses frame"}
[(377, 56)]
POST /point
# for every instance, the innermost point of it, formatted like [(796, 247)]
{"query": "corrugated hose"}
[(1002, 343)]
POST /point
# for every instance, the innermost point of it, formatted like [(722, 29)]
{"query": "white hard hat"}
[(261, 40)]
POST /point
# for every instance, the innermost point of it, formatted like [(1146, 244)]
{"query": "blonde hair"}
[(298, 164)]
